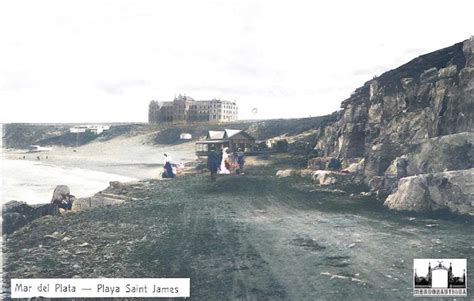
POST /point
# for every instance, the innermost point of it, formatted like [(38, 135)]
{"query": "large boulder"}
[(325, 177), (17, 214), (453, 190)]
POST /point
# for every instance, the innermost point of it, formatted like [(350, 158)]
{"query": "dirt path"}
[(249, 237)]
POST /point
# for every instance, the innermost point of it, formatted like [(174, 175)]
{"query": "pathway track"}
[(249, 237)]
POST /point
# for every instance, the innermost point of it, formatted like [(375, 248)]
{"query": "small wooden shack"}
[(233, 139)]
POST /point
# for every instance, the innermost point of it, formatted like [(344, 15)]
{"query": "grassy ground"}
[(251, 237)]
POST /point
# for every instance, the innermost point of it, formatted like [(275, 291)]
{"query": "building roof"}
[(215, 134), (227, 134), (230, 133)]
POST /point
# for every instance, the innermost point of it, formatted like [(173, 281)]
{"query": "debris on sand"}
[(358, 280), (325, 274), (336, 276), (51, 237)]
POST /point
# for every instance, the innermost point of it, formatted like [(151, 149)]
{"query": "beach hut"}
[(233, 139)]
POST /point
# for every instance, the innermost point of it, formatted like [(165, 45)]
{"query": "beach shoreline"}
[(94, 164)]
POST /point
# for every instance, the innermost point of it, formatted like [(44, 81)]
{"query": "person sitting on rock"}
[(62, 197), (66, 202), (168, 172)]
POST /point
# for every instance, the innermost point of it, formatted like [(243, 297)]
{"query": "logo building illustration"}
[(438, 278)]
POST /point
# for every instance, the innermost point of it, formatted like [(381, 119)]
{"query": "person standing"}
[(223, 169), (213, 162), (240, 161)]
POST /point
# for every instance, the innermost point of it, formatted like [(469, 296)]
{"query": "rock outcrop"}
[(416, 119), (17, 214)]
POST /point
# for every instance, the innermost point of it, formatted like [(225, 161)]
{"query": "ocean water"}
[(34, 182)]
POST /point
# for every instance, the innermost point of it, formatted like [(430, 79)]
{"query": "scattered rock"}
[(451, 190), (338, 277), (325, 273), (285, 173), (357, 280), (23, 252), (50, 237)]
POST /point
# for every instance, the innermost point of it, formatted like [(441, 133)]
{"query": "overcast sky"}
[(103, 61)]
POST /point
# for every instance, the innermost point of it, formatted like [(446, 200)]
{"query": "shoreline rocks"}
[(17, 214)]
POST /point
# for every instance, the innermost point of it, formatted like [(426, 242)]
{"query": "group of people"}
[(225, 162), (222, 162)]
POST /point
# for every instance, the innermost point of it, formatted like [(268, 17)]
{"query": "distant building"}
[(95, 129), (38, 148), (184, 109)]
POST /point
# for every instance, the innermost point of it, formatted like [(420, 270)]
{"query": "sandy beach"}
[(85, 169)]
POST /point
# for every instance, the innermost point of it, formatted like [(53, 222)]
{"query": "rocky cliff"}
[(416, 119)]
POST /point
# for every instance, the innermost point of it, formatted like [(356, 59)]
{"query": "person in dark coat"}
[(213, 162), (240, 161)]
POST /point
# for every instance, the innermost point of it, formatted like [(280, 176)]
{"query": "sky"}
[(103, 61)]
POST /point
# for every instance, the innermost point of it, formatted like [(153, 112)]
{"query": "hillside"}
[(23, 135)]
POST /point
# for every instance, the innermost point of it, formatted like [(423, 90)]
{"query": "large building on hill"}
[(184, 109)]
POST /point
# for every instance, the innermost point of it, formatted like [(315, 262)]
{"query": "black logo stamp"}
[(439, 277)]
